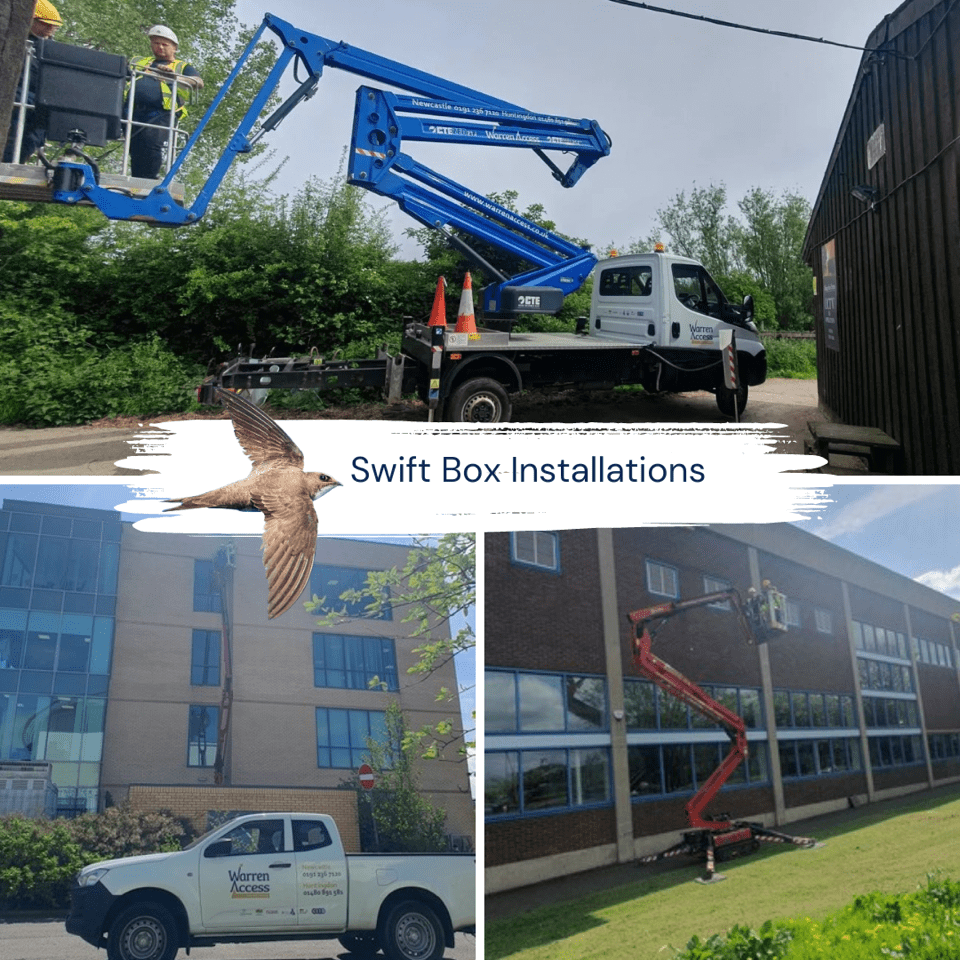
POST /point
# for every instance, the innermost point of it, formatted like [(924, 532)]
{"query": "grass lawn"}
[(883, 847)]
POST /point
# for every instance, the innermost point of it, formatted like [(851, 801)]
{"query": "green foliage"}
[(405, 820), (795, 359), (924, 925), (763, 247), (40, 858), (52, 374), (436, 591)]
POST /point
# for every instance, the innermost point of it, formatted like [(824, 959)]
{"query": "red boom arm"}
[(677, 685)]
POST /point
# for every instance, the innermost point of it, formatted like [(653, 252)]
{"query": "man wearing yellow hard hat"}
[(46, 22)]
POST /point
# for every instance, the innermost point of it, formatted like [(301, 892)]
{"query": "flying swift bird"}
[(281, 490)]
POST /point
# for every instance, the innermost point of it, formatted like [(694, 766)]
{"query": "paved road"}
[(94, 451), (47, 940)]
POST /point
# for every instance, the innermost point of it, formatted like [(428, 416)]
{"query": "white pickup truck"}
[(274, 876)]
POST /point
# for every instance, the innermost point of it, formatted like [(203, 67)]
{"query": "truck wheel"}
[(479, 401), (144, 931), (725, 399), (360, 944), (413, 932)]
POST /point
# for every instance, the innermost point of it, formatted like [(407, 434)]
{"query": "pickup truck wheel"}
[(144, 931), (725, 399), (480, 401), (360, 944), (413, 932)]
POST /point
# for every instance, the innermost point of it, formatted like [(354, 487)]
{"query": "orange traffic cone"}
[(465, 321), (438, 315)]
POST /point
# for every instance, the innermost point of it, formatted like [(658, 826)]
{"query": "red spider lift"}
[(718, 837)]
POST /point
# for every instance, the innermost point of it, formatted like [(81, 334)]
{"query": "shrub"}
[(40, 858), (796, 359)]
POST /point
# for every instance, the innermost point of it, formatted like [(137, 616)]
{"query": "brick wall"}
[(532, 837), (195, 802)]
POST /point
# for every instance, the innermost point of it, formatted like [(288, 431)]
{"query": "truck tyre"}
[(725, 399), (143, 931), (413, 932), (480, 401), (360, 944)]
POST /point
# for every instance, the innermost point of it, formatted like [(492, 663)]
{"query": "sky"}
[(912, 529), (685, 102)]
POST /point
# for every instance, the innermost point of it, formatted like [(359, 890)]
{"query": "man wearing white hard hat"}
[(156, 97)]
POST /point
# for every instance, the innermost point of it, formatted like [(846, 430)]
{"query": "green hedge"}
[(40, 858), (924, 925)]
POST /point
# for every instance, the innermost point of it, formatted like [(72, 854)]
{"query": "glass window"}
[(801, 710), (500, 702), (541, 702), (76, 643), (677, 768), (589, 776), (202, 735), (792, 613), (310, 835), (342, 736), (750, 709), (338, 587), (536, 548), (715, 585), (645, 773), (544, 779), (247, 839), (206, 597), (205, 658), (626, 281), (640, 705), (353, 663), (781, 708), (586, 701), (823, 620), (19, 552), (788, 759), (501, 776), (663, 580)]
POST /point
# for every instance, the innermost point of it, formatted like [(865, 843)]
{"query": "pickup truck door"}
[(248, 879), (696, 308), (321, 875), (626, 303)]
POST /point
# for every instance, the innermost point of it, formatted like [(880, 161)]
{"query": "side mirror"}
[(748, 307)]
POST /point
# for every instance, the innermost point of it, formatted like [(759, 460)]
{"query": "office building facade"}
[(147, 660), (587, 763)]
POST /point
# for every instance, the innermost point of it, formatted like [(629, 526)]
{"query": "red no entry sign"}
[(366, 776)]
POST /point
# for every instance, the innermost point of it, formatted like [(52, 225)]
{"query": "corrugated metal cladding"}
[(884, 241)]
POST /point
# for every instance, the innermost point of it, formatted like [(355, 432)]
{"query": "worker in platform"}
[(46, 22), (154, 99)]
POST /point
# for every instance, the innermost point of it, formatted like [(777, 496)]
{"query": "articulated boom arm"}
[(440, 112), (677, 685)]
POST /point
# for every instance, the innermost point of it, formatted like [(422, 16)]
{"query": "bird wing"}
[(289, 545), (262, 440)]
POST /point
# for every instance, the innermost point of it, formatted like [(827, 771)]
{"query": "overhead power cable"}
[(743, 26)]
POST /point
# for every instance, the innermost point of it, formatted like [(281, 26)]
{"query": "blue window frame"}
[(206, 597), (353, 663), (204, 721), (330, 583), (536, 548), (342, 736), (205, 658)]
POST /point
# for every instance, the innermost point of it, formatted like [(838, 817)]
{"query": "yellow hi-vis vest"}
[(177, 66)]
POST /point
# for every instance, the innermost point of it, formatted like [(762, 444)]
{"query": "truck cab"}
[(672, 306)]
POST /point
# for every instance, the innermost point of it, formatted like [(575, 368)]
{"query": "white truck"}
[(655, 320), (275, 876)]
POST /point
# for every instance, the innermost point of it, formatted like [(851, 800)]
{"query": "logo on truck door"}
[(702, 334), (246, 884)]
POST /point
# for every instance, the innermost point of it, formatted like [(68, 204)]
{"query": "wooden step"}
[(882, 452)]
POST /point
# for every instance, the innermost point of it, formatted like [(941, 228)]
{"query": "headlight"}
[(88, 878)]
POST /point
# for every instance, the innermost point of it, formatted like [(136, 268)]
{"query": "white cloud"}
[(879, 502), (944, 581)]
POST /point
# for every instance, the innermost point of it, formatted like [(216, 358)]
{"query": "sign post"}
[(368, 781)]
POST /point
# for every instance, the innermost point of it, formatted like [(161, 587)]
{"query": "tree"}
[(404, 820), (435, 588), (758, 254), (15, 19)]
